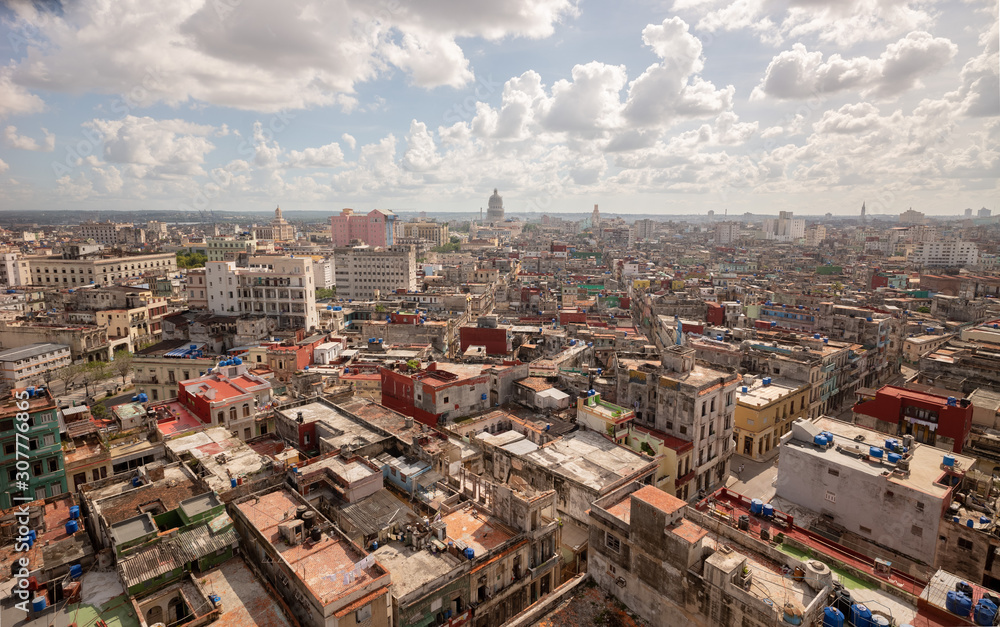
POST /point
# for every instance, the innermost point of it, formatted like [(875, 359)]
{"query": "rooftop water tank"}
[(767, 380), (957, 603), (875, 452), (949, 461), (986, 612), (756, 506), (893, 458), (74, 512), (38, 604), (76, 571), (71, 527), (861, 616), (984, 520), (744, 389), (832, 617), (820, 440)]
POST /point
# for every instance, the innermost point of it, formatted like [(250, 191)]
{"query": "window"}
[(865, 530), (830, 496), (53, 464), (920, 506), (683, 430), (917, 531), (446, 399), (363, 614), (965, 544), (834, 472), (612, 542)]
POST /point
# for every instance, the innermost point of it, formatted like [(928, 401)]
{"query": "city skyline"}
[(672, 108)]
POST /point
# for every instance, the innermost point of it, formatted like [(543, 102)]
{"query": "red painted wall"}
[(716, 314), (495, 340)]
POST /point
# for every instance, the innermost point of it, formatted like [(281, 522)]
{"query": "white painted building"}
[(364, 272), (940, 253), (26, 364), (279, 287)]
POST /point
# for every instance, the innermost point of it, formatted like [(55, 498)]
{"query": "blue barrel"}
[(949, 461), (957, 603), (136, 482), (986, 612), (893, 458), (984, 520), (861, 616), (819, 440), (875, 452), (38, 604), (76, 571), (232, 483), (970, 523), (71, 527), (32, 535), (470, 554), (74, 512), (890, 445), (756, 506), (832, 617)]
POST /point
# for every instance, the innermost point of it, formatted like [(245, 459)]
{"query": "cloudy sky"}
[(678, 106)]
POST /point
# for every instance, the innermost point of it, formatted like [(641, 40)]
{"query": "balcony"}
[(544, 567)]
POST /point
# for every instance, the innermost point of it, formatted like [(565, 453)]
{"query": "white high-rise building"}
[(364, 272), (279, 287), (785, 228), (727, 232), (945, 254)]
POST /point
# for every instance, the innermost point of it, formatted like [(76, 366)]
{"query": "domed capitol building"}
[(494, 210)]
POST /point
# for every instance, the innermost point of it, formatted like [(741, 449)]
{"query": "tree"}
[(69, 375), (323, 292), (191, 260), (122, 364), (93, 372)]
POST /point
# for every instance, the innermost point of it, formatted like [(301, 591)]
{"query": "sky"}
[(660, 107)]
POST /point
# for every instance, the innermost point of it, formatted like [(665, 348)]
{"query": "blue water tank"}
[(71, 527), (820, 440), (232, 483), (143, 397), (136, 482), (875, 452), (832, 617), (76, 571), (74, 512), (956, 519), (743, 390), (984, 520), (38, 604), (986, 612), (816, 336), (756, 506), (329, 307), (951, 401), (238, 360), (861, 616), (767, 380), (768, 510), (483, 396), (470, 554), (970, 523), (958, 603), (949, 461), (893, 458), (890, 445)]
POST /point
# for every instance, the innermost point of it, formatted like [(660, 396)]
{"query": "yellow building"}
[(765, 410), (675, 472)]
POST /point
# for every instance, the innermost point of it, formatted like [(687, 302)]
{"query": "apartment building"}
[(784, 228), (364, 273), (765, 410), (106, 233), (279, 287), (229, 248), (376, 228), (45, 474), (14, 270), (96, 269), (689, 401), (432, 232), (228, 396), (158, 369), (28, 364), (197, 289), (944, 254)]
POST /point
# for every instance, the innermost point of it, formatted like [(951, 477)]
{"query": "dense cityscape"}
[(517, 313), (364, 419)]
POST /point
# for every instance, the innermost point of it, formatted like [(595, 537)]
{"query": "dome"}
[(494, 211)]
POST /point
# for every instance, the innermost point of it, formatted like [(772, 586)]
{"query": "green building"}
[(40, 447)]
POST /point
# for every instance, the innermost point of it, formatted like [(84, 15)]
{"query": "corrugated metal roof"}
[(199, 542), (372, 514), (148, 564)]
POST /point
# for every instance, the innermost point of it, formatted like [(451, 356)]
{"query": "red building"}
[(498, 340), (229, 397), (929, 418), (716, 314), (439, 393)]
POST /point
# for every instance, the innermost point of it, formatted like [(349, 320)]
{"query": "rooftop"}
[(221, 454), (925, 463), (760, 395), (245, 601), (591, 459), (413, 569), (322, 566), (31, 350), (477, 530), (339, 429)]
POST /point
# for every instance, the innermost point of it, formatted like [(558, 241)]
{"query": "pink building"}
[(377, 228)]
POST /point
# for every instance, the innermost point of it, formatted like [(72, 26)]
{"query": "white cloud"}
[(15, 99), (3, 166), (798, 73), (23, 142), (841, 22), (155, 148), (254, 54), (348, 139), (328, 156)]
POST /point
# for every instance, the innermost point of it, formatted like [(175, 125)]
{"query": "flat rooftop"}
[(341, 429), (412, 569), (760, 395), (245, 601), (209, 445), (476, 530), (925, 463), (321, 566), (31, 350), (590, 458), (133, 528)]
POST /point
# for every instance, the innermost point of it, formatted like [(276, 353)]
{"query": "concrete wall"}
[(896, 516)]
